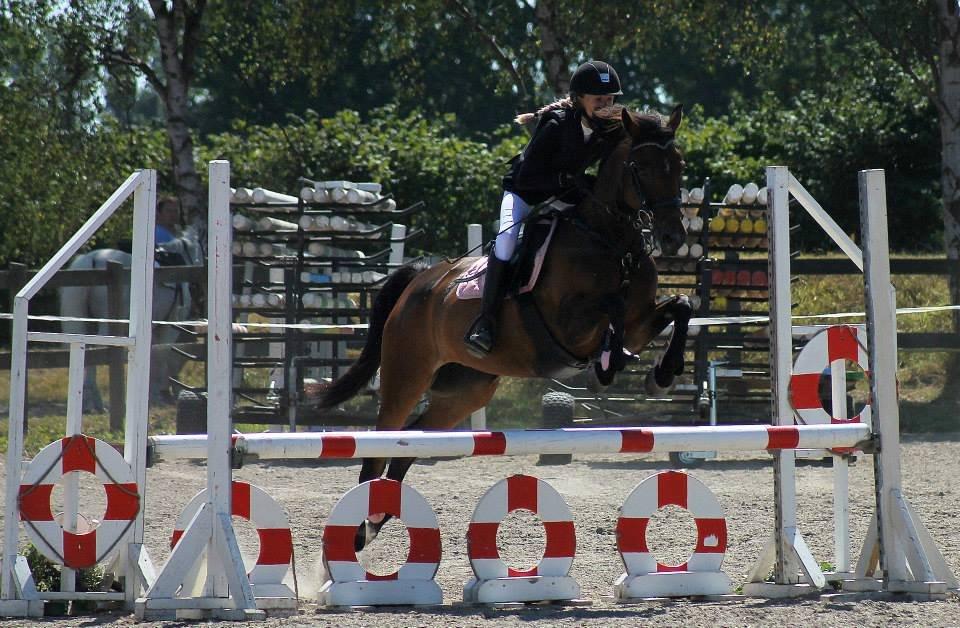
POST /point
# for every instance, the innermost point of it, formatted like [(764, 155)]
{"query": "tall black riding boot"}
[(483, 332)]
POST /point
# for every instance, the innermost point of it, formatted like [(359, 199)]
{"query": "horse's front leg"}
[(669, 364)]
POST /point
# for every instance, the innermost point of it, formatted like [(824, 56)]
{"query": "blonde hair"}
[(570, 102)]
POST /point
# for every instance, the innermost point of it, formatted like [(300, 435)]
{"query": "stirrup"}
[(479, 339)]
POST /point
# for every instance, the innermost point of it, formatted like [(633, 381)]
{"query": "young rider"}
[(563, 146)]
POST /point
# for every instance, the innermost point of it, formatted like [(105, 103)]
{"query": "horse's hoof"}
[(653, 387), (366, 532), (593, 381)]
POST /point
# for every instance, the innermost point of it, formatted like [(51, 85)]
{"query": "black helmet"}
[(597, 78)]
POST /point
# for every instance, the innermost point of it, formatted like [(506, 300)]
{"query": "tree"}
[(923, 38), (177, 25)]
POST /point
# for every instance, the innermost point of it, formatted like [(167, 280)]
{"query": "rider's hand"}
[(568, 181)]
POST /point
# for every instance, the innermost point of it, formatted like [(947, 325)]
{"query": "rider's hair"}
[(570, 102)]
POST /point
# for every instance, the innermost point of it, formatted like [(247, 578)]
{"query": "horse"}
[(172, 301), (597, 290)]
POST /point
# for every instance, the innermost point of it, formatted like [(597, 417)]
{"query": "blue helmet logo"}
[(604, 77)]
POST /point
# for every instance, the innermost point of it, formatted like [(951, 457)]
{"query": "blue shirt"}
[(162, 234)]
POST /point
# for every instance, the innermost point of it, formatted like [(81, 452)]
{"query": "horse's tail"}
[(362, 371)]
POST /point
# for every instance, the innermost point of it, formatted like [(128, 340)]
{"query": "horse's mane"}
[(609, 123)]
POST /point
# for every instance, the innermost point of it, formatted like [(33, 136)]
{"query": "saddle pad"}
[(470, 282)]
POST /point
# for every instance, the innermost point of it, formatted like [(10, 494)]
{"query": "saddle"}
[(552, 360), (524, 268)]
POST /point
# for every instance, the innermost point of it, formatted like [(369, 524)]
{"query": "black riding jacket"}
[(556, 149)]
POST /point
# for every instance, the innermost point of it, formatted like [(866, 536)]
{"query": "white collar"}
[(587, 129)]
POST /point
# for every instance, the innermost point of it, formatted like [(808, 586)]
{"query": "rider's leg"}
[(483, 332)]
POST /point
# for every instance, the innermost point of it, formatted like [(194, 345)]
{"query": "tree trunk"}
[(948, 91), (177, 60), (556, 66)]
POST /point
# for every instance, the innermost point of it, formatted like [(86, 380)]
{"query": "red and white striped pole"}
[(420, 444)]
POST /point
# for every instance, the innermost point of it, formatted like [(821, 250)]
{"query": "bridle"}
[(646, 206), (641, 218)]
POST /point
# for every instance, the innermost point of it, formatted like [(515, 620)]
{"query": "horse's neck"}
[(599, 208)]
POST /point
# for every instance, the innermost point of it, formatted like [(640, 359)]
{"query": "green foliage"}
[(413, 156), (360, 55), (825, 139), (46, 576), (53, 180)]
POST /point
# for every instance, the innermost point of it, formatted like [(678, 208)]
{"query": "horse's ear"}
[(629, 124), (676, 117)]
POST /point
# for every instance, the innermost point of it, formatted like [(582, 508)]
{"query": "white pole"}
[(882, 345), (478, 420), (219, 356), (140, 329), (841, 473), (781, 364), (830, 227), (474, 239), (18, 384), (397, 234), (71, 483)]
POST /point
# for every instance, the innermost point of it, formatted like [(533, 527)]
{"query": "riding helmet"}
[(596, 78)]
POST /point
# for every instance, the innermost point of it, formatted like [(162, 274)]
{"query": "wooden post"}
[(116, 308)]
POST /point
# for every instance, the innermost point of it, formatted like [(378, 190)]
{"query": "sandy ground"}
[(594, 487)]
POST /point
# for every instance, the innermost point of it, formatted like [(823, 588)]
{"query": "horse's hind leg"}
[(402, 384), (456, 393), (670, 363)]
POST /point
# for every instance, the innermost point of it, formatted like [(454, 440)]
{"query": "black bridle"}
[(641, 218), (646, 206)]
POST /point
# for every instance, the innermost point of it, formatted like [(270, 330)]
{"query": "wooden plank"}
[(57, 358)]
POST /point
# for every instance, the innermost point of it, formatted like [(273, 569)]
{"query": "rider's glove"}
[(568, 181)]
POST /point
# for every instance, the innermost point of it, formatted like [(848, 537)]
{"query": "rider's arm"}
[(535, 173)]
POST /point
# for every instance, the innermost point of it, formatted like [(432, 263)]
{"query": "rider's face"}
[(592, 102)]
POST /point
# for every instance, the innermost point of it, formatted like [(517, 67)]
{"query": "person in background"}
[(168, 219), (564, 144)]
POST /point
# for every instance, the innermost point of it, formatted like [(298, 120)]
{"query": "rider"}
[(563, 146)]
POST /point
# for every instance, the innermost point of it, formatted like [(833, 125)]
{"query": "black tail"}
[(360, 372)]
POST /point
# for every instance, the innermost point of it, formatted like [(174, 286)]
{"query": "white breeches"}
[(513, 210)]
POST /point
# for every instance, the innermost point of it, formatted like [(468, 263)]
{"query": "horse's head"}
[(649, 168)]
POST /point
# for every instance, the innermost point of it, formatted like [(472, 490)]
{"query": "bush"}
[(414, 157), (826, 139)]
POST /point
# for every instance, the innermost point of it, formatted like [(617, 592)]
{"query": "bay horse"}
[(598, 275)]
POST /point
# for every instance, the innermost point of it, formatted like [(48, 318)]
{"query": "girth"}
[(552, 359)]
